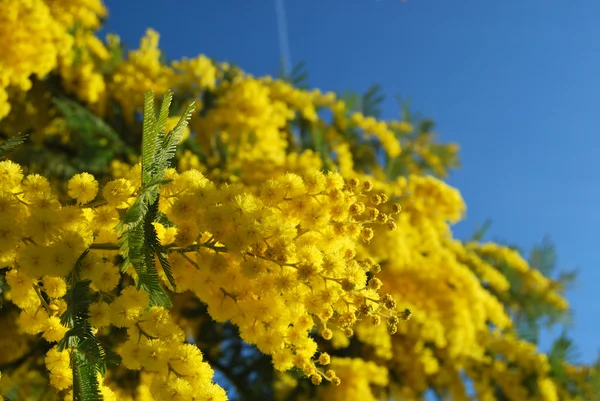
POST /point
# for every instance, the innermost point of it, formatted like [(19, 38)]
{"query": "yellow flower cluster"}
[(80, 69), (275, 277), (534, 282), (156, 345), (143, 71), (305, 102), (360, 380), (195, 75), (42, 240), (32, 42), (279, 273), (432, 199), (248, 120), (300, 260), (86, 13), (380, 130), (140, 73), (502, 372), (442, 281)]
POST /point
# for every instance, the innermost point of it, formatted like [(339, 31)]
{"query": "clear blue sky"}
[(516, 83)]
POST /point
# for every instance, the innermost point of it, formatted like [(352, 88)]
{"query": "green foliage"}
[(481, 231), (150, 134), (532, 315), (139, 242), (564, 350), (88, 356), (530, 312), (155, 247), (11, 143), (74, 275), (372, 100), (92, 145), (97, 143), (86, 123), (85, 381), (148, 274), (298, 76)]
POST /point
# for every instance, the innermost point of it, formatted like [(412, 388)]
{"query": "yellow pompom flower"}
[(54, 287), (83, 187), (118, 192), (54, 330), (58, 364), (100, 314)]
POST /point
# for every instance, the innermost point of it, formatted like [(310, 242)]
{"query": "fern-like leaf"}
[(138, 240), (78, 301), (88, 356), (299, 75), (85, 382), (149, 136), (480, 233), (163, 115), (74, 276), (155, 245), (148, 276), (81, 119), (11, 143), (150, 282), (170, 140), (372, 101)]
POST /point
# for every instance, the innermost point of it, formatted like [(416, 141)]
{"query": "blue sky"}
[(516, 83)]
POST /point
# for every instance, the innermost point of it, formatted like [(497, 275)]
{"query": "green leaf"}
[(12, 394), (138, 241), (11, 143), (543, 257), (74, 276), (168, 142), (149, 136), (404, 106), (299, 75), (154, 242), (79, 118), (136, 212), (147, 195), (78, 301), (527, 328), (149, 281), (563, 350), (567, 277), (163, 115), (88, 356), (85, 381), (426, 126), (372, 101), (481, 231), (320, 144), (148, 276), (131, 243), (352, 101)]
